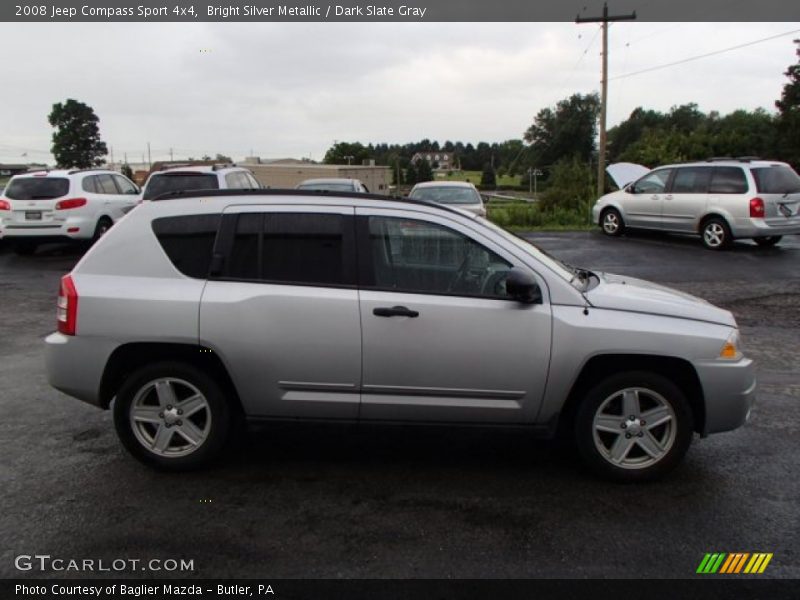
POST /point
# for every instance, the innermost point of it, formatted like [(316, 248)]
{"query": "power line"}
[(699, 56)]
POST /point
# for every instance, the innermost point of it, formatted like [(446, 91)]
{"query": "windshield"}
[(37, 188), (778, 179), (561, 268), (328, 187), (179, 182), (447, 195)]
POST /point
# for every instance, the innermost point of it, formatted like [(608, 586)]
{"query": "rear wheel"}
[(716, 234), (172, 416), (611, 222), (633, 426), (768, 241), (103, 225)]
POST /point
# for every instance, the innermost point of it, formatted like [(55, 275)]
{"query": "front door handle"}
[(395, 311)]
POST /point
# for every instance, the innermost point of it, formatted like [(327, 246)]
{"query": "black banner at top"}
[(393, 11)]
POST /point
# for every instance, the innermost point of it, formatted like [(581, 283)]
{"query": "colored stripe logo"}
[(734, 563)]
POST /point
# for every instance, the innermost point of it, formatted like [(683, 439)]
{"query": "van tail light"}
[(5, 205), (756, 208), (70, 203), (67, 311)]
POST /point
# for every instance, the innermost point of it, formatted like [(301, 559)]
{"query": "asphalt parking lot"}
[(341, 502)]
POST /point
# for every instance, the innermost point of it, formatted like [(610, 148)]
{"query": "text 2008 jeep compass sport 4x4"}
[(274, 305)]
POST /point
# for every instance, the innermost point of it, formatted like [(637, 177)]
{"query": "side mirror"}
[(522, 287)]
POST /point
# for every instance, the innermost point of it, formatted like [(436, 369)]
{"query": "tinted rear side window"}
[(776, 180), (728, 180), (690, 180), (179, 182), (37, 188), (299, 248), (188, 241)]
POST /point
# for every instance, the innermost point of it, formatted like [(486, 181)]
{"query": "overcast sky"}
[(290, 90)]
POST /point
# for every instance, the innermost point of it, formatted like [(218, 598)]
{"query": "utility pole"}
[(605, 20), (149, 162), (170, 155)]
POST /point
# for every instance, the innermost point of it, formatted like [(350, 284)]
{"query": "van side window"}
[(691, 180), (728, 180), (653, 183)]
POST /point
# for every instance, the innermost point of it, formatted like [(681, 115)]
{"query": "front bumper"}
[(729, 389)]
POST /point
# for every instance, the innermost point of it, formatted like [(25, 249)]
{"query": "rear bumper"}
[(750, 228), (58, 230), (75, 365), (729, 389)]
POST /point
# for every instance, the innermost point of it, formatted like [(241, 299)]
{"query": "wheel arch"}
[(678, 370), (718, 214), (128, 358)]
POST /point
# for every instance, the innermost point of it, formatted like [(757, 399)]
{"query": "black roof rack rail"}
[(733, 158), (294, 192), (73, 171)]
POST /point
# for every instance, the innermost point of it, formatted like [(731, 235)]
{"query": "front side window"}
[(728, 180), (291, 248), (125, 186), (652, 183), (415, 256), (105, 185)]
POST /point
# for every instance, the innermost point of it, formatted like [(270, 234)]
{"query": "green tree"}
[(222, 158), (789, 115), (424, 171), (572, 187), (488, 177), (126, 170), (342, 153), (411, 174), (76, 140), (566, 131)]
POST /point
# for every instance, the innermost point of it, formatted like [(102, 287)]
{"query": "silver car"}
[(458, 194), (333, 184), (719, 199), (356, 308)]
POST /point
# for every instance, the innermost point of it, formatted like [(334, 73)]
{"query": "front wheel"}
[(102, 227), (767, 241), (633, 426), (172, 416), (612, 223)]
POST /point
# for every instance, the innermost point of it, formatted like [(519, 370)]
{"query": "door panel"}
[(687, 199), (465, 353), (644, 205)]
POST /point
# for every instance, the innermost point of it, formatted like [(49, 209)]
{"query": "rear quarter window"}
[(188, 241)]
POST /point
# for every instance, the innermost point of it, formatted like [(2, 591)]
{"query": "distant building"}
[(439, 161), (289, 173), (11, 170)]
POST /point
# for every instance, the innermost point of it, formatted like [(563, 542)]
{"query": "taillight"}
[(67, 311), (71, 203), (756, 208), (5, 205)]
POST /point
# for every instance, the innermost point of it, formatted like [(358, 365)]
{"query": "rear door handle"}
[(395, 311)]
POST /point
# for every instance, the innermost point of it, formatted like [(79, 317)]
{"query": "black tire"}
[(102, 227), (25, 248), (716, 234), (635, 465), (611, 222), (767, 241), (215, 418)]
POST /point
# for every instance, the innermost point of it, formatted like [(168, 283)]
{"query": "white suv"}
[(719, 199), (192, 178), (44, 206)]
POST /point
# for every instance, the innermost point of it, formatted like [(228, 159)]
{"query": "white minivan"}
[(60, 205)]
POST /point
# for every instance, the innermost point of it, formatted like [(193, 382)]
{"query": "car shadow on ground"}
[(694, 242)]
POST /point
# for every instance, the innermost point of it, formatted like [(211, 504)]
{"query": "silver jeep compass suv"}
[(194, 312)]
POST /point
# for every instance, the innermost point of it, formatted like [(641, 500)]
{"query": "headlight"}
[(731, 350)]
